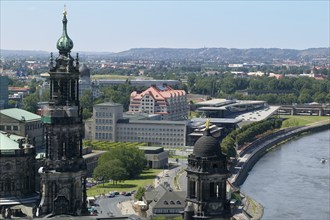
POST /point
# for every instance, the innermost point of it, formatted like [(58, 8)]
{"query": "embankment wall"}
[(261, 146)]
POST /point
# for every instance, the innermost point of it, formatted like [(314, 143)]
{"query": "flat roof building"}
[(23, 123), (110, 124), (156, 157)]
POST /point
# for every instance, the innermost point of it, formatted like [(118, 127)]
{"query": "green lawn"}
[(146, 178), (298, 120)]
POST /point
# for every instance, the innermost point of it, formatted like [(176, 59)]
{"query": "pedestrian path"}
[(126, 207)]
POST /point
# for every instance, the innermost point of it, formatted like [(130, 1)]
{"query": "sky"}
[(114, 26)]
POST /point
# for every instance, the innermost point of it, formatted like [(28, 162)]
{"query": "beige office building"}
[(156, 133), (105, 117), (110, 125)]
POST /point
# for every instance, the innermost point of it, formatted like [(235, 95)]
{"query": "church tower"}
[(207, 175), (63, 187)]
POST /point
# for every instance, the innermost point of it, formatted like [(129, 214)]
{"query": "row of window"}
[(151, 134), (155, 142), (107, 128), (103, 121), (154, 138), (165, 211), (150, 129), (172, 202), (11, 185), (103, 114), (8, 128), (33, 126), (104, 136)]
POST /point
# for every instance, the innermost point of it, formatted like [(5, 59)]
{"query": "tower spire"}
[(64, 11), (64, 44)]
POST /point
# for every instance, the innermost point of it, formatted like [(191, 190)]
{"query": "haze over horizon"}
[(115, 26)]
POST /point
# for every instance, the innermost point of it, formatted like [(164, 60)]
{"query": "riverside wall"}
[(249, 156)]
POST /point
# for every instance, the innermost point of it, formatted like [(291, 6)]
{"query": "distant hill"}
[(265, 55), (23, 53), (221, 55)]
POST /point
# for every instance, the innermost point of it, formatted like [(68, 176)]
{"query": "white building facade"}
[(105, 117), (156, 133)]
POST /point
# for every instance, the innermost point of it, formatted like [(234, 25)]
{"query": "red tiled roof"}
[(158, 94)]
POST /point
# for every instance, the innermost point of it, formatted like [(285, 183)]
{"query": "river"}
[(291, 182)]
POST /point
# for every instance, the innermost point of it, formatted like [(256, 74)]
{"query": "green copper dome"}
[(64, 44)]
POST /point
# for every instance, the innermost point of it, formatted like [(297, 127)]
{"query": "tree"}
[(86, 102), (117, 171), (112, 170), (30, 103), (305, 97), (132, 158), (191, 80), (101, 172), (139, 193)]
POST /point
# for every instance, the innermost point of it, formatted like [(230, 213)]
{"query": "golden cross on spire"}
[(64, 12)]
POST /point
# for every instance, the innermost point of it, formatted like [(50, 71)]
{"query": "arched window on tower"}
[(192, 189)]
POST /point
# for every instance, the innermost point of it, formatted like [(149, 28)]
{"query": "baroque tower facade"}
[(63, 176), (207, 175)]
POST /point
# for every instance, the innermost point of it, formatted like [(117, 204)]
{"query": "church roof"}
[(7, 143), (20, 114), (207, 145)]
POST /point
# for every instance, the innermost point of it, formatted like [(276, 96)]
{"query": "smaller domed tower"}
[(207, 175)]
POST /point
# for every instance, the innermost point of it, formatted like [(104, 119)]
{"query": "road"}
[(108, 206)]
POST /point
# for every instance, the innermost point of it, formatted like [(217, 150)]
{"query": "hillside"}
[(219, 55)]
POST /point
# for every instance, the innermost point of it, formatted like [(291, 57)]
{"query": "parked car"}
[(127, 194), (123, 193), (94, 213), (111, 195), (116, 193)]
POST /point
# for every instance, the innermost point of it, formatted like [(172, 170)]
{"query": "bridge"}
[(313, 110)]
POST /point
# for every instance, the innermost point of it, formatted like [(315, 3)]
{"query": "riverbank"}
[(251, 154), (291, 173)]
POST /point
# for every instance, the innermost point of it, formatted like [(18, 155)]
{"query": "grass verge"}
[(146, 178), (301, 120)]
